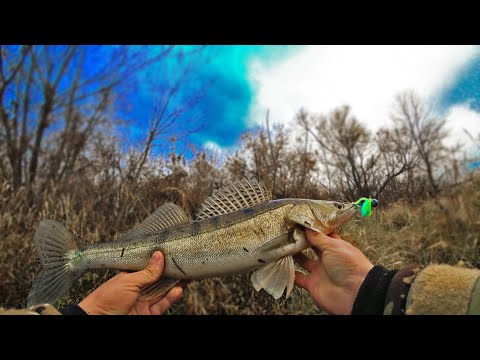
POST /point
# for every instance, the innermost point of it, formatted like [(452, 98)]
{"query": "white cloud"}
[(220, 153), (459, 119), (321, 78), (213, 146)]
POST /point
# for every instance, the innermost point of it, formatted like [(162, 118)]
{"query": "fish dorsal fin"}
[(274, 277), (165, 216), (236, 196)]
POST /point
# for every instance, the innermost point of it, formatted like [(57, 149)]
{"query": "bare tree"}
[(14, 126), (51, 102), (262, 155), (473, 160), (167, 111), (54, 103), (355, 163), (398, 157), (306, 122), (347, 144), (412, 117)]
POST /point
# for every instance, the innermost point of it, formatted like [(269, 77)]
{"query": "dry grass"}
[(443, 230)]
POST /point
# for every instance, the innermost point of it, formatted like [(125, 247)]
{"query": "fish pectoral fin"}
[(165, 216), (158, 288), (275, 277), (274, 243)]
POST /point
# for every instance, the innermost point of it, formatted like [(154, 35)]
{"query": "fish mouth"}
[(347, 214), (342, 217)]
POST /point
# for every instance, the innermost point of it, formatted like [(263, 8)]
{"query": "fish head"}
[(322, 215)]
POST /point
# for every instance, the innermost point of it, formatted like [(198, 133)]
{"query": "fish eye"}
[(338, 205)]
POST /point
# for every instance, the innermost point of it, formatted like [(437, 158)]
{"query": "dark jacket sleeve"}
[(72, 310), (370, 299), (435, 289)]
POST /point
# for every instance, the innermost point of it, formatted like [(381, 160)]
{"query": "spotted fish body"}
[(238, 230), (205, 248)]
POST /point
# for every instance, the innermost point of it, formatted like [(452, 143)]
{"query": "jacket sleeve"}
[(414, 290), (72, 310)]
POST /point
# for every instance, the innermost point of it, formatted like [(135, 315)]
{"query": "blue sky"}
[(465, 87), (221, 74), (241, 82)]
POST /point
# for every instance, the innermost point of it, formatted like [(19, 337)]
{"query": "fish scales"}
[(206, 248)]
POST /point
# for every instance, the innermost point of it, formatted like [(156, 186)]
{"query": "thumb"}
[(319, 240), (151, 273)]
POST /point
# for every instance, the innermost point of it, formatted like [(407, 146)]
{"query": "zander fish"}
[(238, 229)]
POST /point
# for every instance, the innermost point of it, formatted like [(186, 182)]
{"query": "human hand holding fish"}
[(335, 278), (120, 294)]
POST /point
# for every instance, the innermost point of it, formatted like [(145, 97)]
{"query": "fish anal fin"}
[(158, 288)]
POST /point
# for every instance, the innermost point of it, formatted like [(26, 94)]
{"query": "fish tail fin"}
[(55, 247)]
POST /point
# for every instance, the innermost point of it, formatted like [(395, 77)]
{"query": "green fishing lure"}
[(366, 205)]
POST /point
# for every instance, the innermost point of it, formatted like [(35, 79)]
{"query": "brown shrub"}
[(443, 230)]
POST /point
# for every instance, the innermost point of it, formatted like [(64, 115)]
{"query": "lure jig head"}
[(366, 205)]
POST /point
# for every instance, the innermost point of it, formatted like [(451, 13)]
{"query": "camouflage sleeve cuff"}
[(40, 309), (396, 298), (370, 299), (444, 289)]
